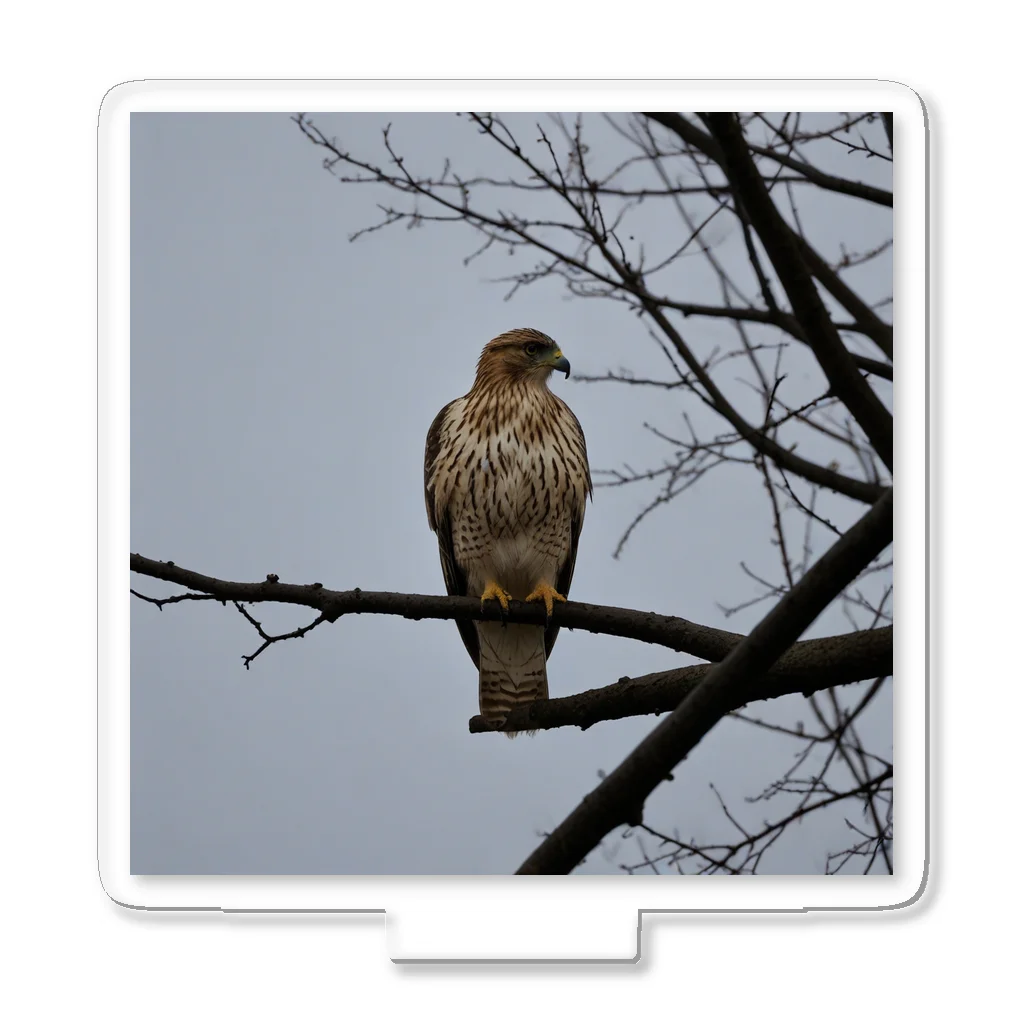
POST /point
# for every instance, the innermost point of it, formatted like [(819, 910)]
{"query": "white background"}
[(75, 949)]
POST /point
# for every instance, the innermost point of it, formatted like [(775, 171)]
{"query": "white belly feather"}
[(517, 532)]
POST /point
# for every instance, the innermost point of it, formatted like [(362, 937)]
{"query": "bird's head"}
[(522, 354)]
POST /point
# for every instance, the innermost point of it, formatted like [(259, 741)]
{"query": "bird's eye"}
[(531, 349)]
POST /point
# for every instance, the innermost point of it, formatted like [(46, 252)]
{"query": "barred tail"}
[(513, 668)]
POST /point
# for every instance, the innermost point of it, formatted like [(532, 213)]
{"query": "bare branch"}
[(828, 181), (867, 320), (852, 488), (670, 631), (872, 325), (717, 856), (806, 667), (708, 144), (620, 798), (783, 249)]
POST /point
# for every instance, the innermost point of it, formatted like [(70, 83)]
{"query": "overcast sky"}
[(283, 380)]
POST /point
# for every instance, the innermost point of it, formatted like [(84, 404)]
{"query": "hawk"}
[(506, 480)]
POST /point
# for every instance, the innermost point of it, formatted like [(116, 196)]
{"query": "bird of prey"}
[(506, 480)]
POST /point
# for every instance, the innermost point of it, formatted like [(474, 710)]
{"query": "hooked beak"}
[(559, 362)]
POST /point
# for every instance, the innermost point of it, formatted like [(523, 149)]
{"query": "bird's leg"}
[(495, 592), (546, 593)]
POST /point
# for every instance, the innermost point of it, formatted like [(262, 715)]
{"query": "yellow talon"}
[(493, 592), (546, 593)]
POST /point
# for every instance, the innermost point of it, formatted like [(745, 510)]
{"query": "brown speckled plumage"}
[(506, 479)]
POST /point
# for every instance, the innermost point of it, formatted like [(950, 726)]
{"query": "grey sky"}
[(282, 383)]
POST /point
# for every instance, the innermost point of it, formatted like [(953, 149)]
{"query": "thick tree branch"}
[(830, 182), (777, 318), (691, 134), (670, 631), (868, 321), (620, 797), (806, 667), (781, 245)]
